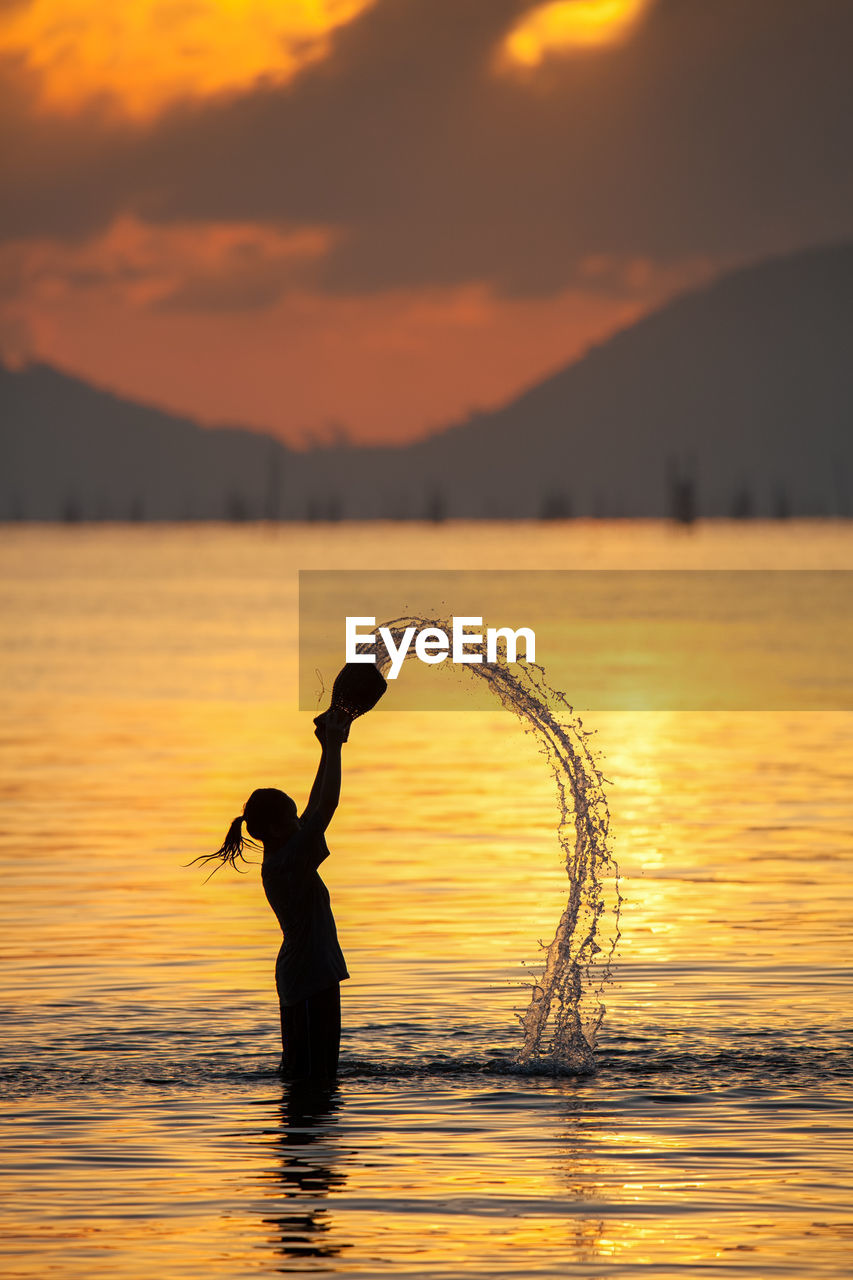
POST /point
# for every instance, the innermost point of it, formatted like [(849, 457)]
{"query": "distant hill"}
[(71, 451), (744, 388), (734, 399)]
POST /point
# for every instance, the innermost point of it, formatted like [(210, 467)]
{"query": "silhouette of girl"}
[(310, 965)]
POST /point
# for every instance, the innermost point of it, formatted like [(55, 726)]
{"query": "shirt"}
[(310, 959)]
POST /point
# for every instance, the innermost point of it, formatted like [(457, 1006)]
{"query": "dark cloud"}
[(720, 129), (61, 176), (250, 287)]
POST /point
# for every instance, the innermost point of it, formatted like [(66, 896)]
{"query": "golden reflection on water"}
[(150, 685)]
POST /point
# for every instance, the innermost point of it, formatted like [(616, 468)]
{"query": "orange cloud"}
[(141, 55), (222, 323), (189, 266), (566, 25)]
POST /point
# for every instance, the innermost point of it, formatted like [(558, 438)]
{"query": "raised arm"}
[(326, 791), (316, 787)]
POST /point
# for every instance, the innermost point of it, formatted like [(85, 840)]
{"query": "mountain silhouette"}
[(734, 399), (70, 450)]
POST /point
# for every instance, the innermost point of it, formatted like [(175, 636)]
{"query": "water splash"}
[(566, 1004)]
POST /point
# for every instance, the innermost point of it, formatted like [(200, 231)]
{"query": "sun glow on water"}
[(149, 685)]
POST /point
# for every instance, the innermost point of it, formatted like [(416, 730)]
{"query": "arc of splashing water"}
[(566, 1004)]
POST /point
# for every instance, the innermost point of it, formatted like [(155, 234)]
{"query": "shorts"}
[(311, 1036)]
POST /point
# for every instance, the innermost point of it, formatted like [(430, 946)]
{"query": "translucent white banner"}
[(728, 640)]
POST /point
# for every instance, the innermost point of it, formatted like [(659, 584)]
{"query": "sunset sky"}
[(371, 216)]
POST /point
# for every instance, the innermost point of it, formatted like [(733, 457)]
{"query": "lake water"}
[(149, 683)]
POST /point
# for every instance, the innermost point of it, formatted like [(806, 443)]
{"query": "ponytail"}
[(229, 851)]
